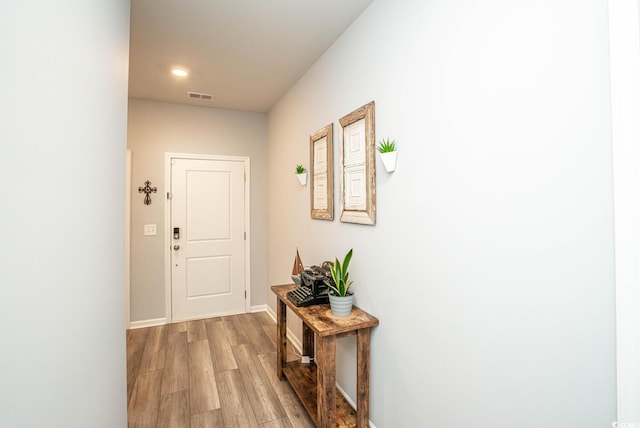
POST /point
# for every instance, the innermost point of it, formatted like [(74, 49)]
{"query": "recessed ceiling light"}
[(179, 72)]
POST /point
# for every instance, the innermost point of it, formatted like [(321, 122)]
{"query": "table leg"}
[(308, 345), (326, 362), (281, 349), (362, 400)]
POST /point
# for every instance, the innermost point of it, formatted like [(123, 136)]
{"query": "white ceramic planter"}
[(302, 178), (341, 306), (389, 160)]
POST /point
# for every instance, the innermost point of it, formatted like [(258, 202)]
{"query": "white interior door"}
[(208, 254)]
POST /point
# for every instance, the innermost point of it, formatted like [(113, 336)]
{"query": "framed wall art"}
[(358, 166), (321, 174)]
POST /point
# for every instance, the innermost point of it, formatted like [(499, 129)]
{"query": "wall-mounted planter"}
[(389, 160), (302, 178)]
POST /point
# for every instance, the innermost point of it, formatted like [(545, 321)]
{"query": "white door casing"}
[(127, 239), (208, 263)]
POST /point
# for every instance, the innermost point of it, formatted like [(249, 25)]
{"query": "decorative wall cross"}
[(146, 190)]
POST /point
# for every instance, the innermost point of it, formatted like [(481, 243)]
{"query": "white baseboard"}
[(161, 321), (147, 323), (292, 337), (271, 313), (259, 308), (351, 402)]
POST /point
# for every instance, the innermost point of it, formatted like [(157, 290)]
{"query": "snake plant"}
[(340, 276)]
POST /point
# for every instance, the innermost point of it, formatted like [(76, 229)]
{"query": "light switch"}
[(150, 230)]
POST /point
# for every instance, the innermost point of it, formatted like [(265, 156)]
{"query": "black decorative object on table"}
[(313, 289), (147, 189)]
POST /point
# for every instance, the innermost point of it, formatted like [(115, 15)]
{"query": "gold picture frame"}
[(358, 166), (321, 174)]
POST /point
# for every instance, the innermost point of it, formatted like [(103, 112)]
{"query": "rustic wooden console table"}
[(315, 384)]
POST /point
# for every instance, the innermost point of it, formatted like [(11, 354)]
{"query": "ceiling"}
[(246, 53)]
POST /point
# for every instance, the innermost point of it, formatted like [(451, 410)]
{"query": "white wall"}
[(625, 101), (491, 267), (63, 82), (157, 128)]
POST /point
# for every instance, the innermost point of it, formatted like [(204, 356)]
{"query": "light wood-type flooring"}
[(218, 372)]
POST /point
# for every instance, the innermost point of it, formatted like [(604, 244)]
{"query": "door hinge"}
[(245, 294), (245, 236), (168, 195)]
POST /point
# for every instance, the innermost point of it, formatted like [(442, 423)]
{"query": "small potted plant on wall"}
[(301, 173), (340, 297), (388, 153)]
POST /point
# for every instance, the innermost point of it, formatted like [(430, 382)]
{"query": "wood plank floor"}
[(218, 372)]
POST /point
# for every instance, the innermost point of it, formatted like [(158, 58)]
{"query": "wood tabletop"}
[(320, 319)]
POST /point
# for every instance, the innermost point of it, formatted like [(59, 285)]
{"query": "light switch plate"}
[(150, 230)]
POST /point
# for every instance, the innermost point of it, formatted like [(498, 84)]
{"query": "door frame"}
[(167, 223), (127, 239)]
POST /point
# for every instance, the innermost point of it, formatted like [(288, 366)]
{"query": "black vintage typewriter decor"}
[(313, 290)]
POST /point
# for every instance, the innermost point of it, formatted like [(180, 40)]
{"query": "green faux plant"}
[(340, 276), (386, 146), (300, 169)]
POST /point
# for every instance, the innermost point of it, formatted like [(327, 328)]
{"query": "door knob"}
[(176, 247)]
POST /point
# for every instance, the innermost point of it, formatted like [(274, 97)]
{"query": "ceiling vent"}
[(199, 96)]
